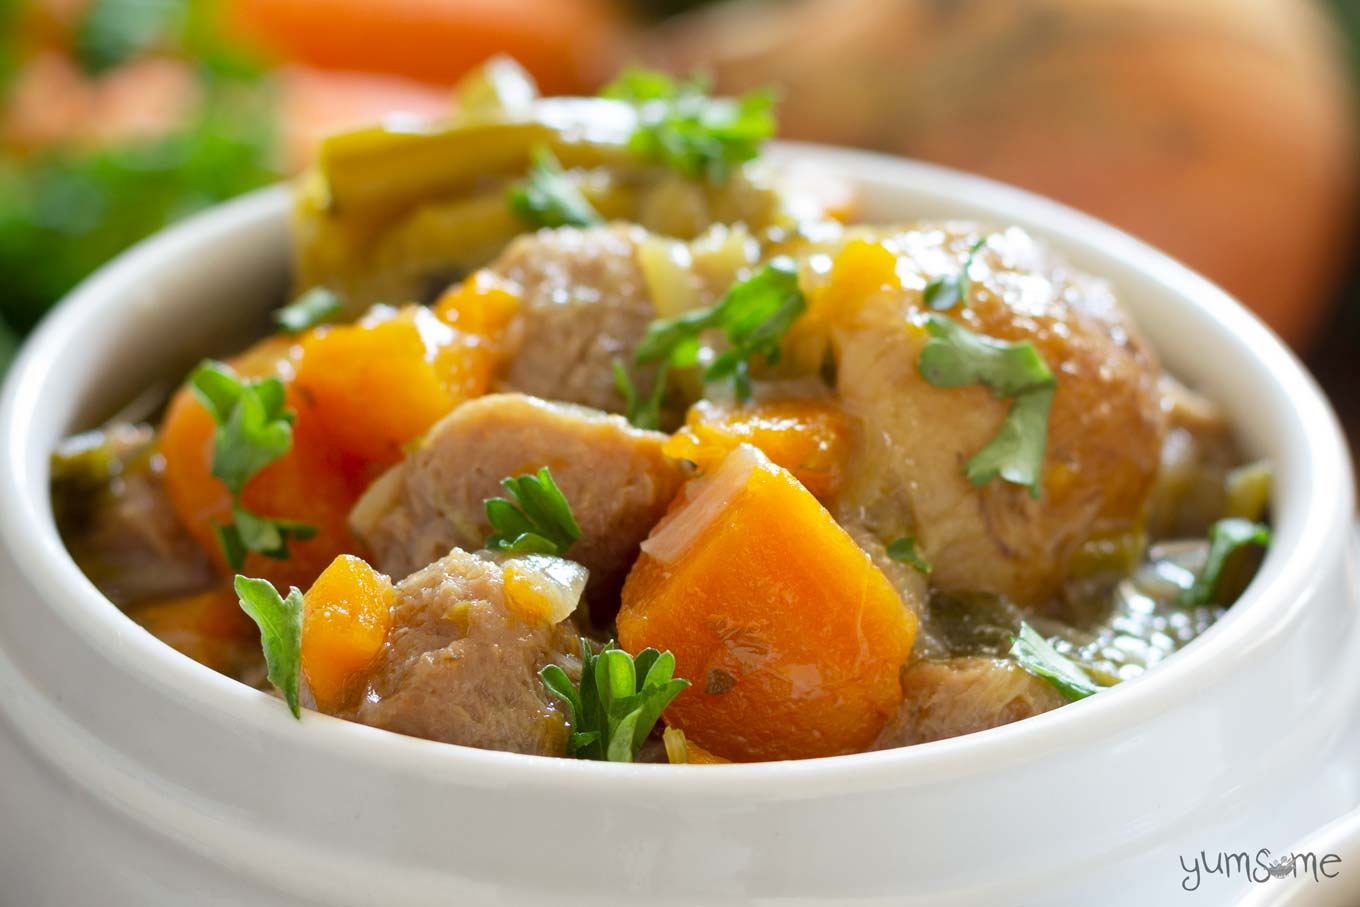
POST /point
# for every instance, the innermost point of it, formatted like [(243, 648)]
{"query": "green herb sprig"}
[(681, 126), (253, 430), (948, 290), (618, 702), (1226, 538), (548, 198), (280, 623), (754, 315), (955, 356), (1037, 656), (317, 306), (535, 520), (904, 549), (642, 412)]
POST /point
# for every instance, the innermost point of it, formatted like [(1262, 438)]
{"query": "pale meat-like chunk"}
[(459, 666), (957, 696), (583, 304), (614, 476)]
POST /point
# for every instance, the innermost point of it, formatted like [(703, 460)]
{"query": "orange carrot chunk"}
[(792, 638), (311, 484), (806, 437), (345, 616), (379, 384)]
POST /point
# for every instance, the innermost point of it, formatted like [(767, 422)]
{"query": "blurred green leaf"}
[(9, 346), (114, 31), (64, 213)]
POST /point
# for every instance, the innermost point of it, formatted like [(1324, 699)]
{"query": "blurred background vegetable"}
[(1217, 130), (1222, 131)]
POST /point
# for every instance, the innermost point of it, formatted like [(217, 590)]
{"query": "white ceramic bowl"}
[(131, 775)]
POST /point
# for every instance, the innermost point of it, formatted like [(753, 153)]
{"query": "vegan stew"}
[(591, 434)]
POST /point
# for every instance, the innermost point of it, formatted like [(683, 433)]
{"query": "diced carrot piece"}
[(362, 393), (345, 616), (859, 270), (312, 483), (480, 309), (483, 304), (809, 438), (376, 386), (792, 637), (209, 627)]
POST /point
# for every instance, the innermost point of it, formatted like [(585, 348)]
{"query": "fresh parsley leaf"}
[(1226, 538), (955, 357), (904, 550), (318, 305), (248, 532), (1016, 454), (548, 197), (755, 315), (642, 412), (948, 290), (280, 623), (253, 430), (619, 700), (680, 126), (1037, 656), (537, 519), (266, 536)]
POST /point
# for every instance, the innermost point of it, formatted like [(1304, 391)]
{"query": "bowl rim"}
[(1305, 526)]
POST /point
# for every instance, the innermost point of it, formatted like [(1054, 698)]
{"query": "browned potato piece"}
[(1104, 432)]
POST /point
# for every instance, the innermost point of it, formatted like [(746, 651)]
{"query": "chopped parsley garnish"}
[(1037, 655), (1226, 538), (955, 356), (680, 126), (548, 197), (948, 290), (280, 622), (755, 315), (318, 305), (253, 430), (618, 702), (538, 519), (904, 550), (643, 412)]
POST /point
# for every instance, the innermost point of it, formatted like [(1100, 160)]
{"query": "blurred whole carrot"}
[(436, 40)]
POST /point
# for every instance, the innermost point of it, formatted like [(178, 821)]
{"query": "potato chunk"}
[(913, 439)]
